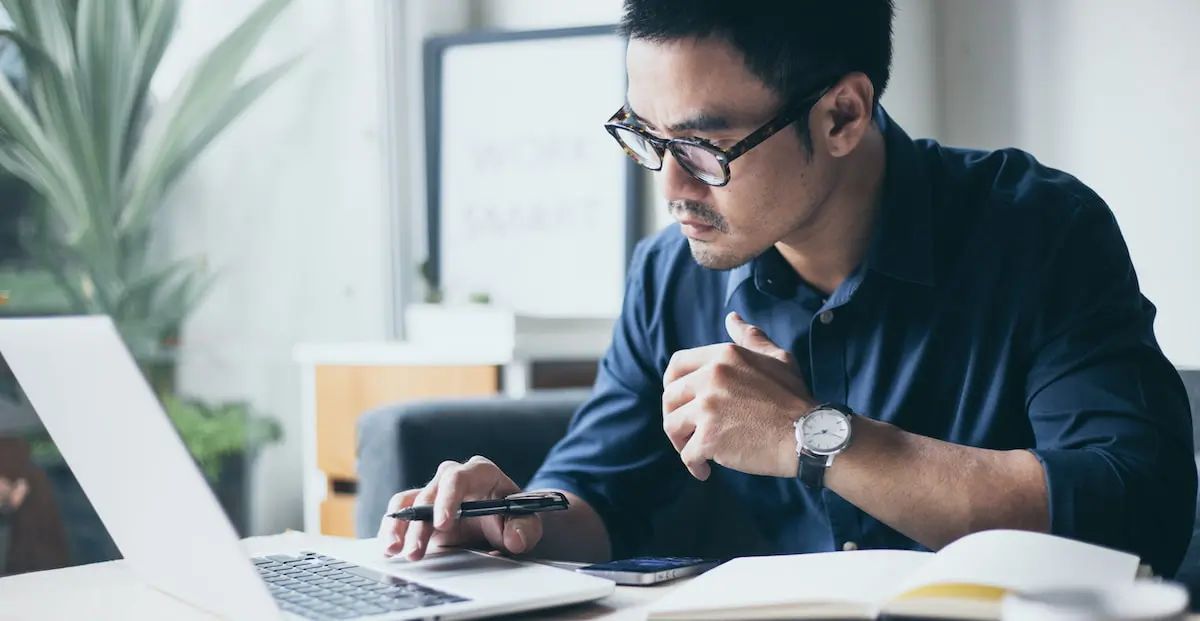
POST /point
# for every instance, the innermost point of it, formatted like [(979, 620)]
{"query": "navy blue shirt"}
[(997, 307)]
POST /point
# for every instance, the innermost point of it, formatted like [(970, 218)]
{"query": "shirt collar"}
[(902, 244)]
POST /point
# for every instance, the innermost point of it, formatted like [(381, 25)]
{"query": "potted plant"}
[(80, 128)]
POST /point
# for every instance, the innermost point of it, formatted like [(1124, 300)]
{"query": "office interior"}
[(308, 219)]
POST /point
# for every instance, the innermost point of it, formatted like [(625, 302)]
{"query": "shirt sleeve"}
[(1109, 411), (615, 454)]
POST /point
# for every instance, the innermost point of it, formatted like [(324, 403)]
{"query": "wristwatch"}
[(821, 434)]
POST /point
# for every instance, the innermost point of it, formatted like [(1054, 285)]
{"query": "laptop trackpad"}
[(456, 564)]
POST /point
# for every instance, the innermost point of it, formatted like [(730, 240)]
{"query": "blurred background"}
[(365, 223)]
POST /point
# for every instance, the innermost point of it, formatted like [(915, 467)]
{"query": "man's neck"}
[(827, 250)]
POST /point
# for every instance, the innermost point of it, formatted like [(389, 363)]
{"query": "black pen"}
[(516, 504)]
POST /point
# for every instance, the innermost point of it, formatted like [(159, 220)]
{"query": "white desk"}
[(109, 591)]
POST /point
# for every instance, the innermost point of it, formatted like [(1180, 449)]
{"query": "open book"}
[(965, 580)]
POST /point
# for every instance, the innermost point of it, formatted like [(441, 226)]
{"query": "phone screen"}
[(648, 564)]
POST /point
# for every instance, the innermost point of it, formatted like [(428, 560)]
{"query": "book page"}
[(864, 577), (1022, 560)]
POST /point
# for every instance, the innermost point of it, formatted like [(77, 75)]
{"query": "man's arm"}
[(1113, 461), (935, 492)]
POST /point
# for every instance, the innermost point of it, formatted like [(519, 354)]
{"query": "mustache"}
[(698, 211)]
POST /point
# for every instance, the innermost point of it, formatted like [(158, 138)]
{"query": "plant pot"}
[(232, 489)]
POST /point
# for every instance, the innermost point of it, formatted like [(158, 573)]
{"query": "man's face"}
[(702, 89)]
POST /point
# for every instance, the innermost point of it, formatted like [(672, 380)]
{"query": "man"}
[(962, 332)]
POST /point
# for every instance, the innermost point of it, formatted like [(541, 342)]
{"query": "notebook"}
[(964, 580)]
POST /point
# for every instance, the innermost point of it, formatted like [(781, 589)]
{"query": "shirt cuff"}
[(1085, 494)]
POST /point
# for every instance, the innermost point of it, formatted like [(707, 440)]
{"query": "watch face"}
[(825, 431)]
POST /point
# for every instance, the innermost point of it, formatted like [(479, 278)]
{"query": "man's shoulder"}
[(1010, 188), (1008, 176)]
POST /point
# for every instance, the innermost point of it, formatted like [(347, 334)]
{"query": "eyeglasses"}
[(700, 158)]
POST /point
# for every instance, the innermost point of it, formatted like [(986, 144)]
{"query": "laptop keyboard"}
[(322, 588)]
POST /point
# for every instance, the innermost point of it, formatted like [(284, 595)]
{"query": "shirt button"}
[(849, 546), (826, 317)]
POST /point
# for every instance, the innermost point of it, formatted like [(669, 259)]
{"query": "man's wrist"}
[(871, 441), (789, 458)]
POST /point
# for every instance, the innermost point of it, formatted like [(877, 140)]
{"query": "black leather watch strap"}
[(811, 470)]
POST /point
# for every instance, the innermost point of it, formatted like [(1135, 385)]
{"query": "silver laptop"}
[(158, 508)]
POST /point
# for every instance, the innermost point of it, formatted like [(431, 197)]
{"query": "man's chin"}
[(713, 257)]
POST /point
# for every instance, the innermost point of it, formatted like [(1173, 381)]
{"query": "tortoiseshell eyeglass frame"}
[(623, 120)]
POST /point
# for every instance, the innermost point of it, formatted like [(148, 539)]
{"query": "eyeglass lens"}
[(698, 161)]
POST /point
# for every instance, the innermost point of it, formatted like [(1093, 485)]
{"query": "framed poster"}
[(529, 200)]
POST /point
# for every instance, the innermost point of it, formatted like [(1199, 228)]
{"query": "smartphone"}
[(645, 570)]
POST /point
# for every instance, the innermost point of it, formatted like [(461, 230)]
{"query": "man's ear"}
[(850, 108)]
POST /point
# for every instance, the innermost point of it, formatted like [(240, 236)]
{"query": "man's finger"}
[(391, 530), (695, 456), (679, 427), (677, 394), (521, 534), (750, 336), (754, 339), (419, 532), (687, 361), (476, 478)]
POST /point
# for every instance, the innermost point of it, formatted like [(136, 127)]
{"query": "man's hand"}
[(477, 479), (735, 404)]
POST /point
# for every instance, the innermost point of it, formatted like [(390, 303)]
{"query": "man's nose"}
[(679, 184)]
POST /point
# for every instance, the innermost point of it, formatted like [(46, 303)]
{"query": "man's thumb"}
[(749, 336)]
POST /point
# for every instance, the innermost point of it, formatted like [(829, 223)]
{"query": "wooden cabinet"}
[(344, 380)]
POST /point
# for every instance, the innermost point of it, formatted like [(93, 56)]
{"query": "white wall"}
[(540, 14), (1104, 89), (289, 206), (912, 98)]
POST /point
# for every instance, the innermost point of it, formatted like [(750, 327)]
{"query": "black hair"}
[(794, 46)]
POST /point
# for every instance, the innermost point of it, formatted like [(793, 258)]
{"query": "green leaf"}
[(155, 22), (106, 44), (49, 23), (140, 294), (234, 106), (17, 11), (204, 89), (32, 53), (42, 164)]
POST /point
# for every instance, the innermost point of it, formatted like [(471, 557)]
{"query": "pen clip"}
[(529, 502)]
